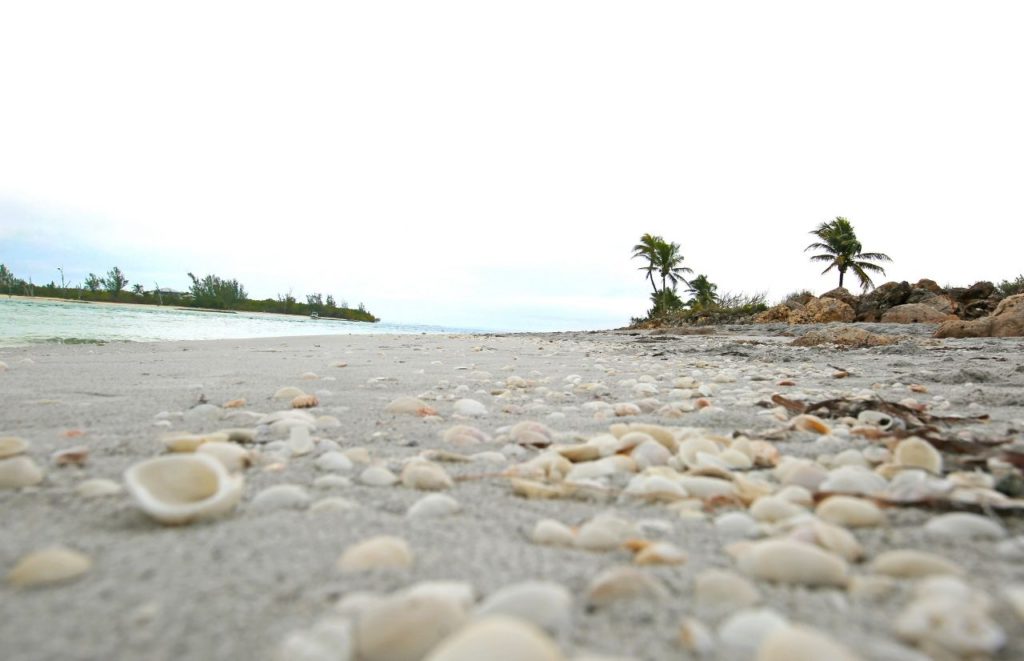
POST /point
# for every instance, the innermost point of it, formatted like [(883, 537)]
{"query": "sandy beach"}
[(236, 587)]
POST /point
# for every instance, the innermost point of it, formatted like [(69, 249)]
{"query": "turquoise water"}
[(27, 322)]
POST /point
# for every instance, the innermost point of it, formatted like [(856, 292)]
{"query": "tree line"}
[(207, 292)]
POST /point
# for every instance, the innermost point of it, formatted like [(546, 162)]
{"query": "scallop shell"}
[(382, 552), (182, 488), (56, 564), (785, 561), (305, 402), (497, 636)]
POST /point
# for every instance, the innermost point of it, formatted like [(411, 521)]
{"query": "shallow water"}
[(32, 321)]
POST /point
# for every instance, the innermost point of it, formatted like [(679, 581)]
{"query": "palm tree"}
[(703, 292), (647, 249), (843, 251), (668, 260)]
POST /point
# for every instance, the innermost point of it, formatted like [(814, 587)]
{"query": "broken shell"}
[(19, 471), (624, 583), (801, 643), (918, 453), (543, 603), (851, 512), (964, 525), (181, 488), (494, 637), (383, 552), (695, 637), (410, 406), (305, 402), (552, 533), (909, 563), (433, 505), (233, 404), (47, 566), (811, 423), (234, 457), (951, 626), (785, 561), (660, 553), (718, 591), (11, 445), (425, 476)]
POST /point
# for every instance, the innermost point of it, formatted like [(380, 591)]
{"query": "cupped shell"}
[(182, 488)]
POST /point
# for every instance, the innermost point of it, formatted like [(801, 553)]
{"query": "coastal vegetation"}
[(209, 292), (843, 251)]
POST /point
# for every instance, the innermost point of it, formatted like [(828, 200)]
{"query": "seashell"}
[(797, 495), (495, 637), (851, 512), (735, 459), (624, 409), (538, 490), (288, 392), (239, 435), (382, 552), (695, 637), (953, 627), (543, 603), (281, 496), (913, 485), (650, 453), (707, 487), (182, 488), (73, 456), (736, 525), (801, 473), (1014, 596), (952, 587), (877, 418), (11, 445), (689, 449), (811, 423), (918, 453), (332, 482), (785, 561), (718, 591), (333, 461), (660, 553), (460, 593), (378, 476), (309, 376), (182, 442), (872, 587), (425, 476), (655, 488), (464, 435), (233, 403), (470, 408), (579, 452), (330, 639), (55, 564), (800, 643), (850, 457), (604, 533), (202, 414), (98, 487), (964, 525), (552, 533), (743, 632), (909, 563), (764, 453), (404, 627), (305, 402), (837, 540), (358, 455), (772, 509), (234, 457), (410, 406), (433, 505), (333, 504), (531, 433), (593, 469), (299, 441), (853, 480), (624, 583)]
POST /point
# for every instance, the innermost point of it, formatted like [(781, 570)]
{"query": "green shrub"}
[(1011, 287)]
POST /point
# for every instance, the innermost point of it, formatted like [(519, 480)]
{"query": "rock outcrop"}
[(822, 311), (875, 303), (846, 336), (1006, 321), (915, 313)]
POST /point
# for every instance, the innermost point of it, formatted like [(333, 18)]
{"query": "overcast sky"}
[(491, 164)]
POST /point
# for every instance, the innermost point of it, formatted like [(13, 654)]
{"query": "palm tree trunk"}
[(654, 286), (841, 274)]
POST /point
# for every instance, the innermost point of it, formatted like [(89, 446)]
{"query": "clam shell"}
[(330, 639), (552, 533), (469, 408), (181, 488), (743, 632), (404, 627), (19, 471), (334, 461), (433, 505), (383, 552), (695, 637), (378, 476), (543, 603), (800, 643), (11, 445), (850, 511), (772, 509), (624, 583), (718, 591), (785, 561), (281, 496), (234, 457), (497, 637), (289, 393), (464, 435), (964, 525), (910, 563), (409, 406), (811, 423), (425, 476), (56, 564), (918, 453), (660, 553)]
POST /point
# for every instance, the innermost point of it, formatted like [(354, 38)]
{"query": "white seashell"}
[(909, 563), (743, 632), (853, 480), (797, 495), (771, 509), (281, 496), (707, 487), (433, 505), (56, 564), (719, 591), (234, 457), (404, 627), (425, 476), (98, 487), (804, 474), (876, 418), (655, 487), (695, 637), (604, 533), (624, 583), (785, 561), (623, 409), (330, 639), (689, 448), (327, 422), (964, 525), (358, 455), (552, 533), (918, 453), (497, 637), (491, 457), (851, 512), (811, 423), (299, 441), (660, 553), (736, 525), (460, 593), (1014, 596), (873, 587), (531, 433), (951, 626), (543, 603), (470, 408), (11, 445), (850, 457), (409, 406), (181, 488), (333, 461), (333, 504), (736, 459), (801, 643), (837, 540), (952, 587), (202, 414), (650, 453), (332, 482), (288, 393), (382, 552), (378, 476), (464, 435), (19, 471), (913, 485)]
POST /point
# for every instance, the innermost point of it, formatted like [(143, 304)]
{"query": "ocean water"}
[(32, 321)]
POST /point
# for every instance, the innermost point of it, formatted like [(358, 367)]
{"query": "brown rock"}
[(847, 336), (928, 285), (1006, 321), (822, 311), (778, 313), (874, 304), (914, 313), (842, 294)]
